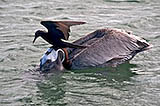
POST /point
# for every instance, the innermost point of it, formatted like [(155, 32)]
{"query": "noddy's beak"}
[(34, 39)]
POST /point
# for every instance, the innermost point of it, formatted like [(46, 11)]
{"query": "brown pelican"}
[(105, 47)]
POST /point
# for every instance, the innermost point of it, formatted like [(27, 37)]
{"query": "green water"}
[(134, 84)]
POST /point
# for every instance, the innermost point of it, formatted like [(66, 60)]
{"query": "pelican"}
[(104, 47)]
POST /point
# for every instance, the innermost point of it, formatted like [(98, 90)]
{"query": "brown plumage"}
[(106, 47), (58, 30)]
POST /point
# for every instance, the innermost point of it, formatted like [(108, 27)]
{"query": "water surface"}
[(134, 84)]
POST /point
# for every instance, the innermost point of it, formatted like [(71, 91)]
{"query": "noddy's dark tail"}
[(71, 45)]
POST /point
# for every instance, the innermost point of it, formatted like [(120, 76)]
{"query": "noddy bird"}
[(57, 30)]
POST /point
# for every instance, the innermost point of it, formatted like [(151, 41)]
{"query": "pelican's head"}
[(52, 60)]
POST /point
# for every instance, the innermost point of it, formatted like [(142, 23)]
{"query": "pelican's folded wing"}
[(107, 46)]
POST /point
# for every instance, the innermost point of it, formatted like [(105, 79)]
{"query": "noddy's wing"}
[(63, 26), (107, 46), (71, 23)]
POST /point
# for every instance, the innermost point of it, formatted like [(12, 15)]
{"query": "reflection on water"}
[(118, 1), (80, 86), (134, 84)]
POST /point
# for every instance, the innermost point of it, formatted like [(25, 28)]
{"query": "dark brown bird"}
[(58, 30)]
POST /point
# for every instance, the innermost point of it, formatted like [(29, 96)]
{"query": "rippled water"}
[(134, 84)]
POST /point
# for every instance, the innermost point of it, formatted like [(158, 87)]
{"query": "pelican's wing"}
[(63, 26), (107, 46)]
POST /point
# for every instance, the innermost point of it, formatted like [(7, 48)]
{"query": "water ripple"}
[(129, 85)]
